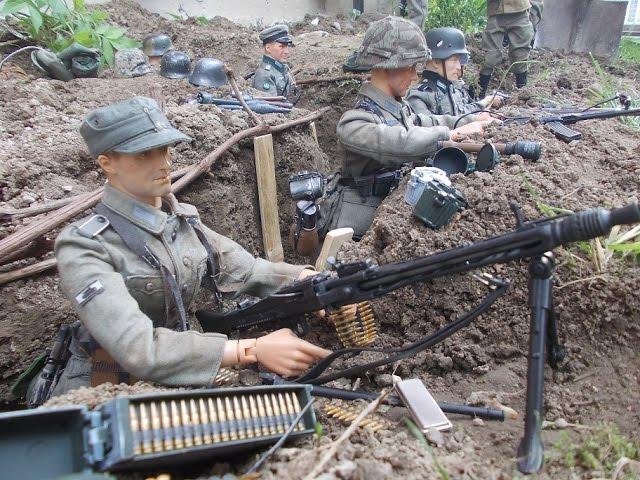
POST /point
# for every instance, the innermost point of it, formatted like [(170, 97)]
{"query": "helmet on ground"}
[(131, 63), (156, 44), (175, 64), (392, 42), (447, 41), (208, 72)]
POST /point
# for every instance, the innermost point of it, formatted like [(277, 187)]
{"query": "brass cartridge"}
[(195, 420), (214, 419), (166, 426), (135, 430), (178, 435), (224, 424), (204, 419), (187, 427), (156, 426), (145, 429), (231, 419), (271, 416)]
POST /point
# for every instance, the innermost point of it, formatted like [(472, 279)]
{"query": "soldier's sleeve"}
[(265, 81), (111, 315), (392, 145), (421, 102), (430, 120), (241, 272)]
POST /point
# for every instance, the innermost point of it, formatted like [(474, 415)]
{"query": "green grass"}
[(470, 16), (607, 87), (601, 451), (630, 49)]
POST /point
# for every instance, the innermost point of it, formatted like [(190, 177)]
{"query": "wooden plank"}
[(27, 271), (332, 243), (314, 132), (267, 198)]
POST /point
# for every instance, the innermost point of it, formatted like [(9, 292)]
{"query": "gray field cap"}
[(276, 33), (131, 126)]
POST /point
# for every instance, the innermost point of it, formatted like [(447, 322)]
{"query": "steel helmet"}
[(392, 42), (447, 41), (208, 72), (175, 64), (156, 44)]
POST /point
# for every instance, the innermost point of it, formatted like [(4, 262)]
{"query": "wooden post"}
[(332, 243), (267, 197), (314, 132)]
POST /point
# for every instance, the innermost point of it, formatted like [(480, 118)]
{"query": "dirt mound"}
[(43, 158)]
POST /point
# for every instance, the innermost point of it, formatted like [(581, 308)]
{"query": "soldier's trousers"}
[(519, 29)]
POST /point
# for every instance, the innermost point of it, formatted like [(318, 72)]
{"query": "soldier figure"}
[(442, 90), (274, 75), (508, 18), (132, 269), (382, 132)]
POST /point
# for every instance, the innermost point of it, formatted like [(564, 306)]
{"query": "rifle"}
[(559, 119), (360, 281)]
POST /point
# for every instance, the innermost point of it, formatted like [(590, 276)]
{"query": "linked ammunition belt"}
[(356, 327)]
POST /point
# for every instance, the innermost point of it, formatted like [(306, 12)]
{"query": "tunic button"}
[(186, 261), (149, 286), (174, 234), (185, 286)]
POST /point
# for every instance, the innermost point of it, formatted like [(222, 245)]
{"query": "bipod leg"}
[(531, 450)]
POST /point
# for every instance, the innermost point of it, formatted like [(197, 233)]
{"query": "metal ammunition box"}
[(438, 204), (150, 430)]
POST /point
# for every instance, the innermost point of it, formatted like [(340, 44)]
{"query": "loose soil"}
[(43, 158)]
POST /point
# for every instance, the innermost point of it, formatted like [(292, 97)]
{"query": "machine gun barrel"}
[(571, 118)]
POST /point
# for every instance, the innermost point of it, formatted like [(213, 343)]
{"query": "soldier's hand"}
[(494, 101), (284, 353), (469, 129)]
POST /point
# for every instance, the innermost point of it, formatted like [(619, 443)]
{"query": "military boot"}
[(483, 83), (521, 79)]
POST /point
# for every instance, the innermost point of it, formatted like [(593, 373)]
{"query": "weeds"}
[(601, 452), (629, 50), (56, 25), (609, 87), (470, 16)]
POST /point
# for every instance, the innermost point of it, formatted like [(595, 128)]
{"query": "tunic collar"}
[(276, 64), (384, 101), (143, 215)]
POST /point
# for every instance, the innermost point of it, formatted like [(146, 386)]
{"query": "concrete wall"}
[(247, 12)]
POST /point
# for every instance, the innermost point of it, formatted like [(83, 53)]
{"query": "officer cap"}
[(156, 44), (445, 42), (131, 126), (276, 33), (391, 43)]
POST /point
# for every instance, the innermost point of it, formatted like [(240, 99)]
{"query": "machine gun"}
[(362, 281), (557, 121)]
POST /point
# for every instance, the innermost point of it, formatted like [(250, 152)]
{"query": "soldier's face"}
[(144, 176), (453, 67), (277, 51), (400, 79)]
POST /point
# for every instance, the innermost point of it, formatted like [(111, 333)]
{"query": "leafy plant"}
[(470, 16), (56, 25), (629, 49)]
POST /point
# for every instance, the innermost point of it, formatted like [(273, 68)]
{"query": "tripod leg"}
[(531, 450)]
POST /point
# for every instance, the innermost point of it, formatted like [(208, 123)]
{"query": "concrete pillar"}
[(583, 26)]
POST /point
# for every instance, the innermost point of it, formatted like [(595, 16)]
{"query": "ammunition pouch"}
[(104, 369), (378, 185)]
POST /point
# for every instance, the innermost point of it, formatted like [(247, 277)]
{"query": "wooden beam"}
[(268, 198), (27, 271), (332, 243)]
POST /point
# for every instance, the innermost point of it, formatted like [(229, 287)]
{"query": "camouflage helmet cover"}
[(391, 43), (131, 63)]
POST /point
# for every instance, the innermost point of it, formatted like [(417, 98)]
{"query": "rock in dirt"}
[(435, 437), (477, 422), (345, 470)]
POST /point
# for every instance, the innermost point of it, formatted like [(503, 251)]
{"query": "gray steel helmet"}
[(175, 64), (392, 42), (446, 41), (156, 44), (208, 72), (131, 63)]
